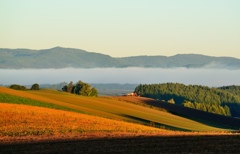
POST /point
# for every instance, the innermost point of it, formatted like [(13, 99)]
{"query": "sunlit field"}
[(114, 109), (51, 121), (23, 120)]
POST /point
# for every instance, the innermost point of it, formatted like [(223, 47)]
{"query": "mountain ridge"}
[(59, 57)]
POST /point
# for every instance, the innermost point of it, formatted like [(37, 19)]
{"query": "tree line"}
[(80, 88), (20, 87), (221, 100)]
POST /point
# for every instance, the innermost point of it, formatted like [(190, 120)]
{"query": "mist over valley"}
[(131, 75)]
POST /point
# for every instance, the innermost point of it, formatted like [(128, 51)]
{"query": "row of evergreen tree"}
[(80, 88), (214, 100), (212, 108)]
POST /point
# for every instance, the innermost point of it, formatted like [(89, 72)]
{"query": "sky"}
[(121, 28)]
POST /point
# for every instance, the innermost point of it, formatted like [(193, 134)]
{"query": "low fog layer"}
[(207, 77)]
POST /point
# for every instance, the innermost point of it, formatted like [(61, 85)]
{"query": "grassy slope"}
[(11, 99), (201, 116), (113, 109), (23, 120)]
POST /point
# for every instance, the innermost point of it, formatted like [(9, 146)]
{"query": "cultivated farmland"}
[(34, 121), (112, 108), (25, 120)]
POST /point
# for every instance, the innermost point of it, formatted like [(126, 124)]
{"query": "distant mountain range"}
[(59, 57)]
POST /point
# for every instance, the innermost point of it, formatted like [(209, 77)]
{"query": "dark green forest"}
[(232, 89), (222, 100), (80, 88)]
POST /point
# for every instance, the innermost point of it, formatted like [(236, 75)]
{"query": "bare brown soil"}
[(127, 144)]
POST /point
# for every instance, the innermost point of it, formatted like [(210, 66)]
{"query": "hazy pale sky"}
[(122, 28)]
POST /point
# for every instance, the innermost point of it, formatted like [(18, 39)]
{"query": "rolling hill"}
[(30, 129), (206, 117), (222, 100), (25, 120), (59, 57), (49, 121), (112, 108)]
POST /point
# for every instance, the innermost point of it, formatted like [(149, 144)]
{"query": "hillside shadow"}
[(167, 97), (234, 109), (152, 123), (207, 118)]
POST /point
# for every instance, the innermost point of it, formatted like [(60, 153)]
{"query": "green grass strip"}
[(6, 98)]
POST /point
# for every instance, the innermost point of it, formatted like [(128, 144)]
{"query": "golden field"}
[(20, 120), (101, 126), (27, 121), (23, 122), (113, 108)]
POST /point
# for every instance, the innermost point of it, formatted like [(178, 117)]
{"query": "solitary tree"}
[(35, 87), (94, 92), (65, 88), (70, 87), (171, 101)]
